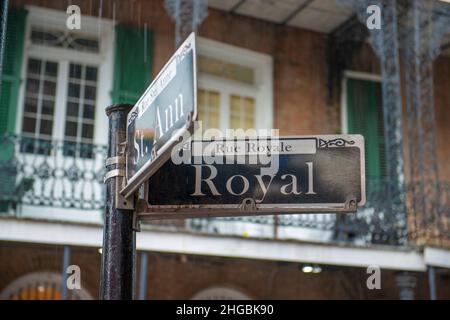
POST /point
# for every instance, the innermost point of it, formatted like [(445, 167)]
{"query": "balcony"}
[(57, 180), (51, 179)]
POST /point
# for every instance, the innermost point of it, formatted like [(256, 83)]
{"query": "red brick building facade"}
[(301, 104)]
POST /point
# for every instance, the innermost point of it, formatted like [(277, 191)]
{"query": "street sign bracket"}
[(119, 174), (152, 214), (113, 173), (352, 204), (115, 160), (248, 204), (248, 207), (136, 221), (154, 153)]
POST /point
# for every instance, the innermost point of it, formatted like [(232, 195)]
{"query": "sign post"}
[(140, 140), (118, 252)]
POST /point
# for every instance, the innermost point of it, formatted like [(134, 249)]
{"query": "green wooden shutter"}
[(9, 93), (133, 63), (12, 66), (365, 116)]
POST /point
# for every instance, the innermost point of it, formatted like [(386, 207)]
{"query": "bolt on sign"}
[(165, 111), (254, 176)]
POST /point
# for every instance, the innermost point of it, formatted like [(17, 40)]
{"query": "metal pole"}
[(432, 282), (3, 26), (119, 245), (143, 276), (66, 262)]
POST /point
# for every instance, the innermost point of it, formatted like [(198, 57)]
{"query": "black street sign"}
[(161, 116), (301, 174)]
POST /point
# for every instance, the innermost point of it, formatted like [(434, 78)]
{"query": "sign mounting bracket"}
[(119, 174)]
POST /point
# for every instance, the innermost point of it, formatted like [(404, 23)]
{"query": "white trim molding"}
[(363, 75), (394, 258), (437, 257)]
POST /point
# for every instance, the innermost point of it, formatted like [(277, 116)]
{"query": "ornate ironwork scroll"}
[(188, 15), (385, 44), (423, 25), (343, 44), (51, 173)]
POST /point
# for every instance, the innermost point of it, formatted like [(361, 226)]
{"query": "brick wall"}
[(442, 100), (175, 276)]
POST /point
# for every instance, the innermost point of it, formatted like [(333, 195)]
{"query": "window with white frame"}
[(234, 87), (39, 104), (80, 109), (62, 83)]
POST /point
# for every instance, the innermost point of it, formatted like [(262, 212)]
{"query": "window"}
[(220, 293), (63, 83), (209, 108), (242, 112), (234, 87), (80, 111), (40, 286), (63, 39), (364, 114), (39, 106), (226, 70)]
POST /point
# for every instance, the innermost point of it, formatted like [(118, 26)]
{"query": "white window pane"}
[(34, 66), (72, 109), (48, 107), (91, 74), (242, 112), (32, 86), (87, 131), (227, 70), (71, 129), (75, 71), (90, 92), (209, 108), (29, 125), (31, 105), (46, 127), (51, 69), (74, 90), (88, 111), (49, 88)]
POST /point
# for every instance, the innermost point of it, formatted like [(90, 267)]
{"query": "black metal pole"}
[(3, 26), (119, 249)]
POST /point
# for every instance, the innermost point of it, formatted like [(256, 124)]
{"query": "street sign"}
[(300, 174), (161, 116)]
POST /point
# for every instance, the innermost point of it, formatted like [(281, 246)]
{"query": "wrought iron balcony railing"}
[(70, 176), (51, 173), (375, 223)]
